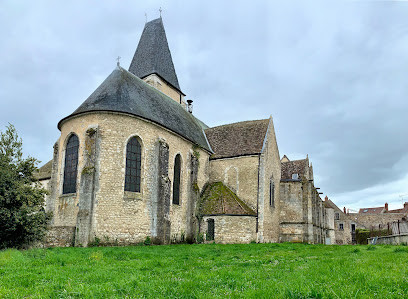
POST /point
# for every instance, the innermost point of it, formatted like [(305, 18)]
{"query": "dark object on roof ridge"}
[(237, 139), (153, 55), (44, 172), (124, 92), (218, 199)]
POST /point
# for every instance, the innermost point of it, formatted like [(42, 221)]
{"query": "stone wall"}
[(45, 183), (303, 215), (119, 216), (391, 240), (374, 220), (60, 236), (269, 171), (330, 233), (231, 229), (240, 174), (165, 88)]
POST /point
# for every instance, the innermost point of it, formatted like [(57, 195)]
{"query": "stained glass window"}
[(271, 193), (176, 180), (133, 165), (71, 165)]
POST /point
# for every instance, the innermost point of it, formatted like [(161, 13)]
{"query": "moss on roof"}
[(218, 199)]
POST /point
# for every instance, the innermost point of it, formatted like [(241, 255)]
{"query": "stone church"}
[(134, 162)]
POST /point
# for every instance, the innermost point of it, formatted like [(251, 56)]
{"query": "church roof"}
[(153, 55), (124, 92), (292, 167), (218, 199), (44, 172), (237, 139)]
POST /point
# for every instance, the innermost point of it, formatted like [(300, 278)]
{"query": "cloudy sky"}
[(334, 76)]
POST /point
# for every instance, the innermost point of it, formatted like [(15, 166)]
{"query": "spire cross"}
[(160, 10), (146, 17), (118, 59)]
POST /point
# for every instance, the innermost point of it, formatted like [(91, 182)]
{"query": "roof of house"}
[(218, 199), (330, 204), (376, 210), (237, 139), (44, 172), (153, 55), (124, 92), (292, 167)]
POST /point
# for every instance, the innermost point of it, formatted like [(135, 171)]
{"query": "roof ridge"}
[(239, 122), (294, 160)]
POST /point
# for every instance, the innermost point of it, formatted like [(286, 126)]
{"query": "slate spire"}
[(153, 55)]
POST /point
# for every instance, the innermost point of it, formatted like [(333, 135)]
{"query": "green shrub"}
[(200, 238), (95, 243), (23, 220), (147, 241), (362, 235)]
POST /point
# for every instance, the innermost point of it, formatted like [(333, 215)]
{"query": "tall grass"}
[(202, 271)]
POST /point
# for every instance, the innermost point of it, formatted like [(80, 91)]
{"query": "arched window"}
[(271, 193), (176, 180), (71, 165), (133, 165)]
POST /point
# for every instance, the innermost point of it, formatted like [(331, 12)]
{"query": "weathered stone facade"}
[(240, 174), (231, 229), (303, 216), (118, 215)]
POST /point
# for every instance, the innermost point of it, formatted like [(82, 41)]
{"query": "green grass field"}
[(202, 271)]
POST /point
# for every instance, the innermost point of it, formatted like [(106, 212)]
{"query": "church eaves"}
[(153, 55), (123, 92)]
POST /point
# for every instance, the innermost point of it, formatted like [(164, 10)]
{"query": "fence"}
[(391, 228)]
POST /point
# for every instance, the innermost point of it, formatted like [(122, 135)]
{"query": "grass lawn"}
[(253, 270)]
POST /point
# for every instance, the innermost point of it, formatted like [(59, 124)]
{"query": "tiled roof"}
[(237, 139), (153, 55), (377, 210), (44, 172), (218, 199), (292, 167), (123, 92)]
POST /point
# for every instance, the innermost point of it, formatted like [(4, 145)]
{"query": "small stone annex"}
[(133, 162)]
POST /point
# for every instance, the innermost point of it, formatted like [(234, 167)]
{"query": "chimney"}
[(344, 210), (406, 205), (326, 198), (386, 206), (190, 106)]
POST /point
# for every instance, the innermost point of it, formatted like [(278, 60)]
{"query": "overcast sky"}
[(334, 76)]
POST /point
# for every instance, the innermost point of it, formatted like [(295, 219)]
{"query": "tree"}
[(23, 219)]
